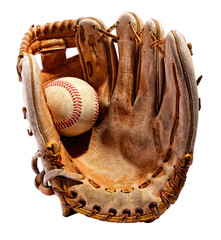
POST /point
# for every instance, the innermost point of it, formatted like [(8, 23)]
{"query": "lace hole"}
[(126, 212), (97, 208), (82, 202), (139, 210), (152, 205), (74, 194), (113, 211)]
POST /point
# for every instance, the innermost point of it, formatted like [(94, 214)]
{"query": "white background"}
[(25, 213)]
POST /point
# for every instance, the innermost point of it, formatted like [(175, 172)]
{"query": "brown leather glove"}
[(132, 165)]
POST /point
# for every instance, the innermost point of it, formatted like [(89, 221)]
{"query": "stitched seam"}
[(167, 197), (77, 104), (96, 112)]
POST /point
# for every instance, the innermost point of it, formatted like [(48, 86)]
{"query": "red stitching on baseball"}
[(96, 109), (77, 104)]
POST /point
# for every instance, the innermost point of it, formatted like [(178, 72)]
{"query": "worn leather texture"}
[(132, 165)]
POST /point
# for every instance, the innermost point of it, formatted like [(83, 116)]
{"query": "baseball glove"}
[(132, 165)]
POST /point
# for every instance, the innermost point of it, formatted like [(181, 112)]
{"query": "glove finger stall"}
[(151, 81), (98, 57), (128, 26), (180, 98)]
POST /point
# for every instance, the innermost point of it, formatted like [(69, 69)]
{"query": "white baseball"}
[(73, 104)]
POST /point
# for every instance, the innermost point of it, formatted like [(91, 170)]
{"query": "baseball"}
[(73, 104)]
